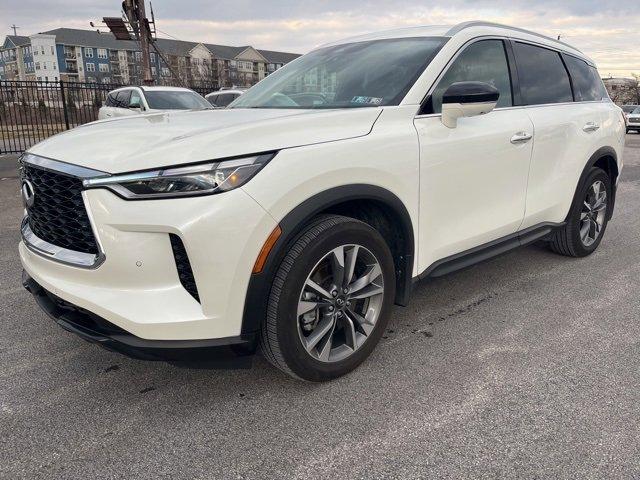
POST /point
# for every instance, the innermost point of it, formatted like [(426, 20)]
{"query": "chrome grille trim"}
[(59, 254)]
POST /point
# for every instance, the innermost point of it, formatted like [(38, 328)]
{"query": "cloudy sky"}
[(607, 30)]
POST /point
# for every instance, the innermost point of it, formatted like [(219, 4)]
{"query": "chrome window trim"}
[(468, 43), (59, 254)]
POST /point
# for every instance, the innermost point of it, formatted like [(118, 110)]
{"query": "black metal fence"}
[(31, 111)]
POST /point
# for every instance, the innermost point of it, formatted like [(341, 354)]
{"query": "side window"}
[(122, 99), (111, 100), (543, 77), (599, 84), (483, 61), (213, 100), (224, 99), (135, 101), (586, 85)]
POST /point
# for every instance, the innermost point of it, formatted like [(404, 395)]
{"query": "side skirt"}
[(488, 250)]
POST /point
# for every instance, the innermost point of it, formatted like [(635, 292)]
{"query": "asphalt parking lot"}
[(524, 366)]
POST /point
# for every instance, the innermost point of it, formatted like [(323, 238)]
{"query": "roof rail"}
[(461, 26)]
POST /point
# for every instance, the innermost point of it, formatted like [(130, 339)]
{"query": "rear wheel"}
[(587, 219), (330, 300)]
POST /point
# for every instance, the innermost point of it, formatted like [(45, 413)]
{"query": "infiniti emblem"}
[(28, 193)]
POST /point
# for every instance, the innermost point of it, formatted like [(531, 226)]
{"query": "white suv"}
[(296, 228), (127, 101)]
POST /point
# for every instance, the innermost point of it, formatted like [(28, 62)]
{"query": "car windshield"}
[(175, 100), (629, 108), (362, 74), (636, 111)]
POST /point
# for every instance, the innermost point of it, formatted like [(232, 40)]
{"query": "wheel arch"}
[(371, 204), (605, 158)]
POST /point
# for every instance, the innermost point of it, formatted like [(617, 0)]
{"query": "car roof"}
[(477, 28), (222, 92), (153, 89)]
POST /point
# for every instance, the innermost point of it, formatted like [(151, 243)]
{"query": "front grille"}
[(58, 214), (184, 267), (634, 120)]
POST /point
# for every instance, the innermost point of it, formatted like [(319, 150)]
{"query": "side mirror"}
[(467, 99)]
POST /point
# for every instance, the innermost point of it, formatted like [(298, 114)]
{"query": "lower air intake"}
[(184, 267)]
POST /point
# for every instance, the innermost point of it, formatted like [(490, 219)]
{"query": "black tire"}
[(279, 337), (566, 240)]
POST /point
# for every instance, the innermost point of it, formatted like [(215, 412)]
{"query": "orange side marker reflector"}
[(266, 249)]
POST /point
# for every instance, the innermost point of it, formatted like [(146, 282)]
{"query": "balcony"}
[(69, 55)]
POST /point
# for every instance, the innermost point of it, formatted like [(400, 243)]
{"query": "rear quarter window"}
[(111, 100), (543, 77), (587, 85)]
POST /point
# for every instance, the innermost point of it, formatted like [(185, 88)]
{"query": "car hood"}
[(173, 138)]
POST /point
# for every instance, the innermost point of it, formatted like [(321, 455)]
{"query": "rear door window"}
[(483, 61), (225, 99), (542, 75), (122, 99), (586, 81)]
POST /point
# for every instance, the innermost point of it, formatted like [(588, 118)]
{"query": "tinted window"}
[(586, 83), (175, 100), (122, 99), (225, 99), (352, 75), (629, 108), (543, 77), (111, 100), (484, 61)]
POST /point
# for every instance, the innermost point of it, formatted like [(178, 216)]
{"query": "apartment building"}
[(89, 56)]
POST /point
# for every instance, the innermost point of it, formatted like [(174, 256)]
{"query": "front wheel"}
[(588, 218), (330, 300)]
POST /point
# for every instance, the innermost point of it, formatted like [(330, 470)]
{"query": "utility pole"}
[(135, 12), (15, 33)]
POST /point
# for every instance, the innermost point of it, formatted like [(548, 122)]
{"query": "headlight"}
[(201, 179)]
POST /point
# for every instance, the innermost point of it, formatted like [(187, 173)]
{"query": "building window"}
[(165, 72), (53, 52), (88, 52), (106, 80), (54, 65), (103, 67), (102, 53), (153, 57), (154, 71), (37, 65), (138, 56), (91, 67)]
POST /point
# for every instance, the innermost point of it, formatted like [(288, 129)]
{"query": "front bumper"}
[(137, 287), (95, 329)]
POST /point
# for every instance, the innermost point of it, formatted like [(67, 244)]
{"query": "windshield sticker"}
[(368, 100)]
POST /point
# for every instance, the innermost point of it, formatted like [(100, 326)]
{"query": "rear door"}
[(473, 178), (567, 132)]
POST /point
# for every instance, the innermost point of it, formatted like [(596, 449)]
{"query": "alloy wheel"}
[(340, 303), (593, 213)]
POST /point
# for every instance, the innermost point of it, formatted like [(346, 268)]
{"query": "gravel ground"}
[(524, 366)]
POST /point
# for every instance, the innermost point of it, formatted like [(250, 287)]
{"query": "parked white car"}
[(127, 101), (222, 98), (633, 120), (297, 227)]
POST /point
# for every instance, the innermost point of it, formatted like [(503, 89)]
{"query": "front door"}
[(473, 178)]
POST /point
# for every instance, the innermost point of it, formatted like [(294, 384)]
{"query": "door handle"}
[(591, 127), (521, 137)]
